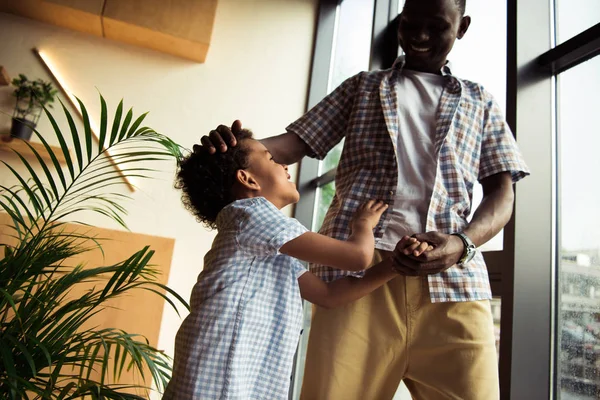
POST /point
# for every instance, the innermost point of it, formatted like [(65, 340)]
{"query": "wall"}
[(257, 70)]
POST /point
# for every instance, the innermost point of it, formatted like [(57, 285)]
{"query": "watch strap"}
[(470, 248)]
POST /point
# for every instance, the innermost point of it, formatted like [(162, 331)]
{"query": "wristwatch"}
[(470, 249)]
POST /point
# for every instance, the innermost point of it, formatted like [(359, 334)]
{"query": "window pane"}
[(352, 47), (324, 197), (574, 17), (352, 50), (578, 324)]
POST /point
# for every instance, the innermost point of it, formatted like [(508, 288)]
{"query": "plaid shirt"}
[(239, 340), (472, 142)]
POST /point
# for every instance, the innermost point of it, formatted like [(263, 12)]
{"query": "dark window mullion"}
[(324, 179), (572, 52), (384, 50)]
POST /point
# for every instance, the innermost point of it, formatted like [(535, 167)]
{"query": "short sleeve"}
[(299, 269), (324, 125), (499, 150), (265, 229)]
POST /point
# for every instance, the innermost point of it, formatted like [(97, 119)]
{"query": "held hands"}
[(368, 214), (409, 245), (220, 138), (443, 251)]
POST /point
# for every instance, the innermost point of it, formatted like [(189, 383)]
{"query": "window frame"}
[(529, 336)]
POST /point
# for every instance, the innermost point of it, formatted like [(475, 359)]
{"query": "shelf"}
[(20, 146)]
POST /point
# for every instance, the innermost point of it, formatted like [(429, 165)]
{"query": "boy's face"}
[(427, 31), (273, 178)]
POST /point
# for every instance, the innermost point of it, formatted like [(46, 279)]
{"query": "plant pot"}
[(21, 128)]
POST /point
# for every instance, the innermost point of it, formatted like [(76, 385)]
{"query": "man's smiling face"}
[(427, 31)]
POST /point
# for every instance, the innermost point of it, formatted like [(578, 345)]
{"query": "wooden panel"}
[(80, 15), (4, 78), (89, 6), (21, 147), (186, 19), (178, 27), (139, 312), (143, 37)]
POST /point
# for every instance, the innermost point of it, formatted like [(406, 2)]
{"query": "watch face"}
[(470, 253)]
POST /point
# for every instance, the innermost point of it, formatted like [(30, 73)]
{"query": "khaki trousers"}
[(440, 350)]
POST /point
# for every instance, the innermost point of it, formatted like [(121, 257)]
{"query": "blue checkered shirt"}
[(472, 142), (239, 340)]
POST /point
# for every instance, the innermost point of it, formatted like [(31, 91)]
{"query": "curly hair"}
[(207, 180)]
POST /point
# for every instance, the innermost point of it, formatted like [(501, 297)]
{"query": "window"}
[(554, 305), (578, 312), (574, 17), (351, 51), (344, 42)]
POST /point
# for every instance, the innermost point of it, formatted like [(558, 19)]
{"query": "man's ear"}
[(465, 22), (246, 179)]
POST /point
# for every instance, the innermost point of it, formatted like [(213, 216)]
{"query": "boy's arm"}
[(345, 290), (353, 254)]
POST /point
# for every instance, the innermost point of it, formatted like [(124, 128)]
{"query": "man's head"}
[(427, 30), (210, 182)]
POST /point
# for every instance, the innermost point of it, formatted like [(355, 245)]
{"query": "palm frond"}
[(44, 350)]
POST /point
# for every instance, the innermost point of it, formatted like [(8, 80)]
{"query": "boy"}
[(419, 138), (239, 340)]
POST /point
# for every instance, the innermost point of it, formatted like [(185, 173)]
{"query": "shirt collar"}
[(401, 61)]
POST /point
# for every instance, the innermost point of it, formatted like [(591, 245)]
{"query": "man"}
[(417, 138)]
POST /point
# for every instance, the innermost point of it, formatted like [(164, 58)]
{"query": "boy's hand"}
[(369, 213), (220, 138), (410, 245)]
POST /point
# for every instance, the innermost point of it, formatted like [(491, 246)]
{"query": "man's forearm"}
[(286, 148), (494, 211)]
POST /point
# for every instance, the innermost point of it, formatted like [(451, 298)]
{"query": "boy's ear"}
[(246, 179), (465, 22)]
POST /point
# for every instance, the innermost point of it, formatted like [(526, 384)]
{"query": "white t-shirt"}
[(418, 95)]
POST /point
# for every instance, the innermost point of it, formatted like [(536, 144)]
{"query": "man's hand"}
[(447, 250), (369, 213), (220, 138)]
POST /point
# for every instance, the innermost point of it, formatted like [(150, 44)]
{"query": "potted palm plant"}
[(32, 97), (47, 349)]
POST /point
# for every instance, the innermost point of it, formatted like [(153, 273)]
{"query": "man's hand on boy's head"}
[(220, 138), (446, 252), (369, 213)]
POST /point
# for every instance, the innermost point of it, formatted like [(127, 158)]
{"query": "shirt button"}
[(391, 192)]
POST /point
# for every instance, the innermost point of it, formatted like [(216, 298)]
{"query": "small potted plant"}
[(31, 96)]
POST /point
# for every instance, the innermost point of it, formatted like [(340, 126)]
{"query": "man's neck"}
[(435, 69)]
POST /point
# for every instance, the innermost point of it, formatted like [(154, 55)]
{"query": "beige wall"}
[(257, 70)]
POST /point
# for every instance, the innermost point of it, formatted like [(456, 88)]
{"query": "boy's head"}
[(427, 30), (211, 181)]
